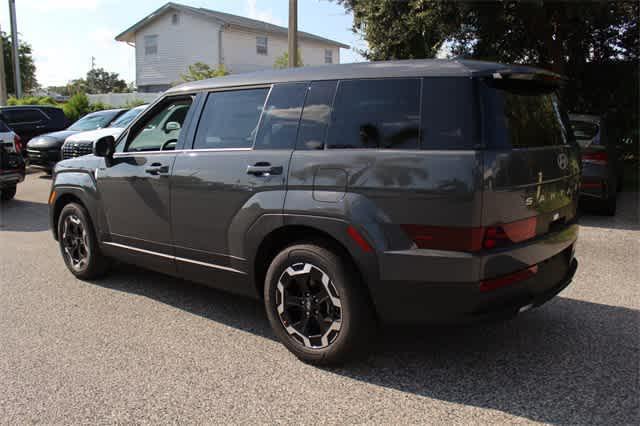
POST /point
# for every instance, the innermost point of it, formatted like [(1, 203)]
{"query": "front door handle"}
[(156, 169), (264, 169)]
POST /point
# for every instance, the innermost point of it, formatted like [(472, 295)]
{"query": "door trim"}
[(180, 259)]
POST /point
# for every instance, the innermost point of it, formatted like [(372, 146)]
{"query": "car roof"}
[(104, 111), (2, 108), (383, 69)]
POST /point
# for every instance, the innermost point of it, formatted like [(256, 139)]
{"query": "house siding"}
[(193, 39), (239, 50)]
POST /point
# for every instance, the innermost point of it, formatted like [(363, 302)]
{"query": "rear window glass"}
[(523, 117), (4, 127), (448, 107), (584, 131), (279, 123), (230, 119), (381, 113), (316, 115), (20, 116)]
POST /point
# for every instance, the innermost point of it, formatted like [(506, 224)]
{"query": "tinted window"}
[(316, 115), (585, 132), (521, 116), (447, 113), (376, 114), (230, 119), (279, 123), (21, 116), (160, 130), (4, 127)]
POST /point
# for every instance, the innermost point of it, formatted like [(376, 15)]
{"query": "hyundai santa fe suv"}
[(343, 196)]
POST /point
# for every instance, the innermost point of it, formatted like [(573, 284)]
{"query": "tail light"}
[(598, 157), (17, 143), (471, 239)]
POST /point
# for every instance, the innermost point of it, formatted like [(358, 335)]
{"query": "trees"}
[(100, 81), (282, 61), (27, 66), (201, 71)]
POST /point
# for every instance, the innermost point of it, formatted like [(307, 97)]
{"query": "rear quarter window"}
[(378, 113)]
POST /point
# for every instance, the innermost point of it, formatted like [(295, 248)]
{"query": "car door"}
[(235, 173), (134, 187)]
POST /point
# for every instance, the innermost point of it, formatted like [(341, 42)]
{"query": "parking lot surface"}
[(141, 347)]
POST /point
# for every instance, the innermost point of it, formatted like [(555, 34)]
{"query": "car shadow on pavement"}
[(567, 362), (24, 216)]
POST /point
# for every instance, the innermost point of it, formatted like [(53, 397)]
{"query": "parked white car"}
[(82, 143)]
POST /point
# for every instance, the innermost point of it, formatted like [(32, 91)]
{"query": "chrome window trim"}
[(176, 151), (168, 256)]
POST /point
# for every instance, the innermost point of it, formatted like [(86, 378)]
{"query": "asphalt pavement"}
[(139, 347)]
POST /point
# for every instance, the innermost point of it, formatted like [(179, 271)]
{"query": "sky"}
[(65, 34)]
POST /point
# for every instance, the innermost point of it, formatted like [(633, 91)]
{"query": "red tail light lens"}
[(17, 143), (599, 157), (496, 283), (359, 239), (471, 239)]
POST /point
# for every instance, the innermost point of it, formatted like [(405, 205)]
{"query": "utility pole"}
[(15, 45), (293, 33), (3, 76), (93, 62)]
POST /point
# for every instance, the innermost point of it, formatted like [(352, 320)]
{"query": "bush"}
[(76, 106), (32, 100)]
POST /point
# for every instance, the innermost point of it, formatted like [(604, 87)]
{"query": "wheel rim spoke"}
[(75, 241), (308, 305)]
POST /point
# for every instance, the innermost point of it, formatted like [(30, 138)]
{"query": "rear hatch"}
[(531, 169)]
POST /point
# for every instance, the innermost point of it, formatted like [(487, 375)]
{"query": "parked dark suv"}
[(344, 196), (29, 121)]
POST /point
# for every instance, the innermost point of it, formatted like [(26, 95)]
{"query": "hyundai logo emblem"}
[(563, 161)]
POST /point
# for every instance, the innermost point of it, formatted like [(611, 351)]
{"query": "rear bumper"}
[(447, 289)]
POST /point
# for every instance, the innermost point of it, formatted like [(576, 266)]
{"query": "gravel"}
[(139, 347)]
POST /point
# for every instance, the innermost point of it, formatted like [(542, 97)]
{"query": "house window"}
[(328, 56), (261, 45), (175, 19), (150, 45)]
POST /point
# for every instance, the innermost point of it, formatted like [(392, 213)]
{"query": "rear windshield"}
[(518, 116), (584, 131)]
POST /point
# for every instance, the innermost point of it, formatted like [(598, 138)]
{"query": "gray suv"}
[(344, 196)]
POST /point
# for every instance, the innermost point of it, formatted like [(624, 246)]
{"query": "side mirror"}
[(104, 147), (171, 126)]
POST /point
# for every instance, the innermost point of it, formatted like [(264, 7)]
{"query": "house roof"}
[(383, 69), (128, 35)]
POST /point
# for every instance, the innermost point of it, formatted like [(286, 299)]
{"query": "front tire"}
[(317, 305), (8, 193), (78, 243)]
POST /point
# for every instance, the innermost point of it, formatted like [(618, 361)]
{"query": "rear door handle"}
[(264, 169), (156, 169)]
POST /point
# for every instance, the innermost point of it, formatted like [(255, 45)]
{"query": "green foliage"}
[(202, 71), (32, 100), (27, 66), (76, 106), (100, 81), (282, 61)]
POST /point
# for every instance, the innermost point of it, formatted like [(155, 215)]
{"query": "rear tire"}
[(8, 193), (79, 245), (317, 305)]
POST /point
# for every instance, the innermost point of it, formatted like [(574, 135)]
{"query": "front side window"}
[(230, 119), (150, 45), (381, 113), (328, 56), (161, 129), (261, 45), (279, 123)]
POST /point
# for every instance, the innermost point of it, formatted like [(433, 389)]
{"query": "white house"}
[(175, 36)]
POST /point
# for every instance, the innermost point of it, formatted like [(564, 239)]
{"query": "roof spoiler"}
[(539, 76)]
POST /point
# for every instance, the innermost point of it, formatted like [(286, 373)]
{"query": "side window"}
[(316, 115), (230, 119), (23, 116), (150, 45), (447, 113), (160, 130), (381, 113), (261, 45), (279, 123)]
